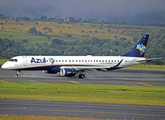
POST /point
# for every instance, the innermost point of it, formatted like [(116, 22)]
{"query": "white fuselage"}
[(48, 62)]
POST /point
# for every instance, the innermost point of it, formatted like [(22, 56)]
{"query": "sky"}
[(130, 11)]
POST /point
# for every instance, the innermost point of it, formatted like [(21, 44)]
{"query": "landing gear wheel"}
[(81, 76), (17, 75)]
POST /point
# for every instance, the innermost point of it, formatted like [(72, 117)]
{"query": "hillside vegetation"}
[(18, 37)]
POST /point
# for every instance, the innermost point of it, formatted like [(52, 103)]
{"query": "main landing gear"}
[(81, 75), (18, 73)]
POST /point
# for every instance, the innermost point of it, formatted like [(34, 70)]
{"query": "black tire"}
[(17, 75), (81, 76)]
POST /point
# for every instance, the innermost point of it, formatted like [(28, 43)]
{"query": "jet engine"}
[(67, 72)]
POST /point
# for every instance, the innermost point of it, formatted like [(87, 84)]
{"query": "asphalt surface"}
[(114, 77), (77, 109), (94, 110)]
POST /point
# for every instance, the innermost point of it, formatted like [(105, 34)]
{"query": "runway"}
[(77, 109), (114, 77)]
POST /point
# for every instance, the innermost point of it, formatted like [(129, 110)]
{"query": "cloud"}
[(115, 10)]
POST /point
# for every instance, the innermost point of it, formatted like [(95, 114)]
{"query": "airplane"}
[(71, 65)]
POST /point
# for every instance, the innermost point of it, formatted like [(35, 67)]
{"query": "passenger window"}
[(85, 60), (88, 60), (108, 60), (62, 60), (69, 60), (72, 60), (99, 60), (59, 60), (118, 60), (76, 60), (79, 60), (82, 60), (105, 60), (65, 60), (91, 60), (56, 61), (112, 60), (102, 60), (115, 60), (96, 60)]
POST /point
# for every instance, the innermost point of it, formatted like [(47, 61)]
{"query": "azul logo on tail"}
[(141, 48)]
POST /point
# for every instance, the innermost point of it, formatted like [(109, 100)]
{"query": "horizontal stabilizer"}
[(147, 59)]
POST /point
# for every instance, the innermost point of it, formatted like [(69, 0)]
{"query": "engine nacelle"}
[(67, 72)]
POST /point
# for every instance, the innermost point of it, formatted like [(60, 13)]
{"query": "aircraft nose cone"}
[(4, 66)]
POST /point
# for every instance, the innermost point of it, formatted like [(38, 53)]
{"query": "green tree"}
[(69, 35), (71, 19), (36, 23), (2, 16), (57, 41), (53, 52), (26, 19), (60, 21), (43, 18), (2, 28), (95, 50), (24, 41), (108, 30), (135, 39), (47, 29), (39, 33), (48, 37), (1, 41), (32, 31)]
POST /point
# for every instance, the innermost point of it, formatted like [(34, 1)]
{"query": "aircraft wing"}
[(85, 68)]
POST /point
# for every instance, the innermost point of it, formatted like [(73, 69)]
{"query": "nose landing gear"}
[(18, 73)]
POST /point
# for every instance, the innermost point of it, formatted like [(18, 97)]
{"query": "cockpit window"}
[(13, 60)]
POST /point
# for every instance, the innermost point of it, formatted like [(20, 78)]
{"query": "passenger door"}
[(25, 61)]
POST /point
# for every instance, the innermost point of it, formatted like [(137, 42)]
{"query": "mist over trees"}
[(129, 11), (143, 20)]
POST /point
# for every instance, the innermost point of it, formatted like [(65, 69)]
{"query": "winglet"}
[(140, 48)]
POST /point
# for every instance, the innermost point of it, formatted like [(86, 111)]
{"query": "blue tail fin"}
[(140, 49)]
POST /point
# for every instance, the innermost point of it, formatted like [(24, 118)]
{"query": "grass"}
[(63, 29), (147, 67), (142, 95), (28, 117), (31, 38), (3, 61)]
